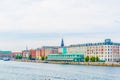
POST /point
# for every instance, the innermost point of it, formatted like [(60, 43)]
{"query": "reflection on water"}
[(10, 70)]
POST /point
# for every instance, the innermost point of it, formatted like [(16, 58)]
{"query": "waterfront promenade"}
[(75, 63), (13, 70)]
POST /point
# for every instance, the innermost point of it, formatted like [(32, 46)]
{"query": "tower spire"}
[(26, 48), (62, 43)]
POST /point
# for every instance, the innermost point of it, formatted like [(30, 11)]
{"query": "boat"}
[(6, 59)]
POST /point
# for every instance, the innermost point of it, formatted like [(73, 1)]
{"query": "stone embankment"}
[(89, 63), (74, 63), (34, 61)]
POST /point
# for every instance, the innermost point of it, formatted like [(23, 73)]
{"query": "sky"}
[(36, 23)]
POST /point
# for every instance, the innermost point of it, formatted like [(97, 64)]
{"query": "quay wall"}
[(74, 63)]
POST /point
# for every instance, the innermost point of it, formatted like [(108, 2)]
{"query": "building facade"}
[(33, 53), (15, 53), (38, 53), (5, 54), (66, 57), (107, 50), (25, 54), (45, 50)]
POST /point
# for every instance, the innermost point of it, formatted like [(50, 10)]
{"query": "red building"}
[(38, 53), (45, 50), (33, 53), (49, 50)]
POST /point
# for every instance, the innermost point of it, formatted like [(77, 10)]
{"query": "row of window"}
[(103, 53), (64, 55), (102, 50), (94, 48), (111, 59), (108, 56)]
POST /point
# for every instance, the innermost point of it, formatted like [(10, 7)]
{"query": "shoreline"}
[(90, 63), (116, 64)]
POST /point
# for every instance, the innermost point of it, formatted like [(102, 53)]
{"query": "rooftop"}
[(106, 42), (5, 52)]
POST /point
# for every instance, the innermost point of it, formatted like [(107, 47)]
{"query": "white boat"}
[(6, 59)]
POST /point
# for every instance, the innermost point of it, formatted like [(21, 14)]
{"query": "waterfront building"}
[(5, 54), (27, 52), (15, 53), (38, 53), (76, 48), (24, 54), (75, 57), (66, 57), (60, 49), (45, 50), (107, 50), (33, 53)]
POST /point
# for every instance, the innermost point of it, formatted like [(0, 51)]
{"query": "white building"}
[(108, 50)]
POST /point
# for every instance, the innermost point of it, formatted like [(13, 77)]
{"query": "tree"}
[(92, 59), (30, 57), (20, 57), (16, 57), (97, 58), (87, 58), (46, 57), (42, 58)]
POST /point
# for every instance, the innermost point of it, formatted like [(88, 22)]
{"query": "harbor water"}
[(11, 70)]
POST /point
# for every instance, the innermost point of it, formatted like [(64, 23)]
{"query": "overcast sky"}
[(39, 23)]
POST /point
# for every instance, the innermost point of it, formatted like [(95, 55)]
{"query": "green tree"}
[(86, 58), (46, 58), (30, 57), (92, 59), (16, 57), (97, 58), (42, 58)]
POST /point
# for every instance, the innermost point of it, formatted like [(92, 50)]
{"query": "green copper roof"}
[(5, 52), (68, 54)]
